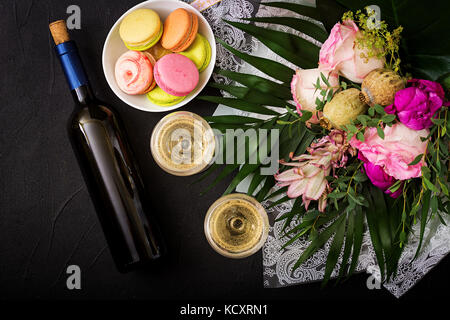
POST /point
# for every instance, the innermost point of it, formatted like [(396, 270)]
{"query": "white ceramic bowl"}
[(114, 48)]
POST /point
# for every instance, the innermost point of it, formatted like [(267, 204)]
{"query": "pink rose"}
[(339, 53), (399, 147), (416, 105), (339, 45), (303, 91)]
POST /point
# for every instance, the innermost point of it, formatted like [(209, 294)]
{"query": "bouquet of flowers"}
[(365, 136)]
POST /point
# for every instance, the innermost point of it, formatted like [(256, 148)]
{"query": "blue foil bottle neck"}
[(71, 63)]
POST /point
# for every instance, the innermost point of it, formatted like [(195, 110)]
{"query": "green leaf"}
[(292, 112), (423, 219), (358, 237), (363, 119), (443, 188), (374, 229), (348, 244), (325, 80), (239, 104), (256, 181), (234, 119), (271, 68), (337, 195), (416, 160), (430, 185), (318, 241), (207, 173), (303, 26), (244, 171), (279, 201), (250, 95), (289, 46), (276, 193), (335, 249), (380, 132), (388, 118), (268, 184), (379, 109), (258, 83), (352, 128), (225, 172), (360, 136), (225, 126)]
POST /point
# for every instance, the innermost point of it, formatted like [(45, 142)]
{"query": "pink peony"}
[(378, 177), (339, 53), (303, 91), (399, 147), (416, 105)]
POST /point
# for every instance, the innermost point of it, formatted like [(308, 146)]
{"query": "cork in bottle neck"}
[(59, 32)]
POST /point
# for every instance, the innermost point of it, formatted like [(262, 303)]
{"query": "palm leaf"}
[(240, 105), (243, 173), (271, 68), (358, 233), (371, 216), (423, 219), (268, 184), (232, 119), (318, 242), (256, 181), (222, 127), (306, 27), (348, 244), (335, 249), (279, 201), (258, 83), (299, 51), (251, 95)]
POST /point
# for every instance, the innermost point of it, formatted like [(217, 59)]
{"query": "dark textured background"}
[(47, 220)]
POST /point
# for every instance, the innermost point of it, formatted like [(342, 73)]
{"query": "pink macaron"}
[(176, 75), (134, 72)]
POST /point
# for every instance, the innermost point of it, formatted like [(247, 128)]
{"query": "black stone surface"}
[(47, 220)]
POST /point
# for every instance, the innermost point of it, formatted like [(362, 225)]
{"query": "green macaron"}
[(199, 52), (159, 97)]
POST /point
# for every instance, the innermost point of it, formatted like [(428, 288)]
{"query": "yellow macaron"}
[(159, 97), (199, 52), (141, 29)]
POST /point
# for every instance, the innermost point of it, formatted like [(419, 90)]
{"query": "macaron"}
[(176, 74), (199, 52), (159, 97), (134, 72), (141, 29), (180, 29)]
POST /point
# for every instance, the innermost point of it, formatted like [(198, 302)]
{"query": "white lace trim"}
[(278, 263)]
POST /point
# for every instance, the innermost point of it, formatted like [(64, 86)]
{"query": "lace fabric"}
[(277, 262)]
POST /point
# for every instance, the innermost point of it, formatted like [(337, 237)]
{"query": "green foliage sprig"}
[(376, 38)]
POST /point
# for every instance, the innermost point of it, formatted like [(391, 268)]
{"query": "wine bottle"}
[(110, 172)]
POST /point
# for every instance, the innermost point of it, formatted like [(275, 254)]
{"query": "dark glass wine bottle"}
[(108, 166)]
